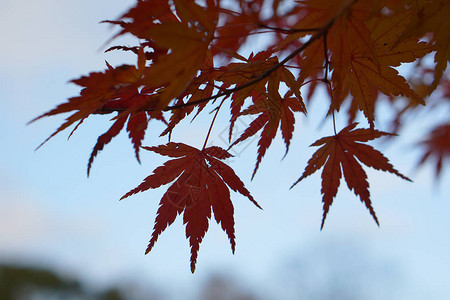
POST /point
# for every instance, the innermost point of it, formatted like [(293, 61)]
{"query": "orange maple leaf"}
[(367, 78), (361, 52), (201, 87), (432, 17), (340, 152), (201, 181), (179, 34)]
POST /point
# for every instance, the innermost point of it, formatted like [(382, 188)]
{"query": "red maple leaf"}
[(437, 145), (202, 182), (137, 121), (340, 152), (274, 113), (137, 124)]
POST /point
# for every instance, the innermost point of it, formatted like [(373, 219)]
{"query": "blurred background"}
[(66, 236)]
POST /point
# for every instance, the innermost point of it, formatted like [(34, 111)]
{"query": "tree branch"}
[(319, 34)]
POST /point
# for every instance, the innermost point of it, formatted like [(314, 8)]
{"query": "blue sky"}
[(52, 215)]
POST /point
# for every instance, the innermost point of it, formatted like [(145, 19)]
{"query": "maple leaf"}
[(366, 80), (202, 182), (348, 34), (240, 73), (360, 46), (437, 145), (136, 127), (342, 152), (188, 42), (365, 76), (179, 34), (432, 17), (195, 92), (142, 16), (274, 112), (236, 28), (385, 31), (114, 90), (103, 92)]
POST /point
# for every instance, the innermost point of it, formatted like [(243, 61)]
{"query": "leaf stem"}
[(334, 124), (212, 123)]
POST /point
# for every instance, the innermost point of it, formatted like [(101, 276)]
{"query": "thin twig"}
[(257, 79), (289, 31)]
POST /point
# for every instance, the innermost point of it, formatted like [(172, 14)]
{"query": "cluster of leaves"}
[(188, 58)]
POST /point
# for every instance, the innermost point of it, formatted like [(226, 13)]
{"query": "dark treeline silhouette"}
[(30, 283), (34, 283)]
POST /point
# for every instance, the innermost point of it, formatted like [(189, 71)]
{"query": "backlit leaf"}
[(344, 152), (201, 183)]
